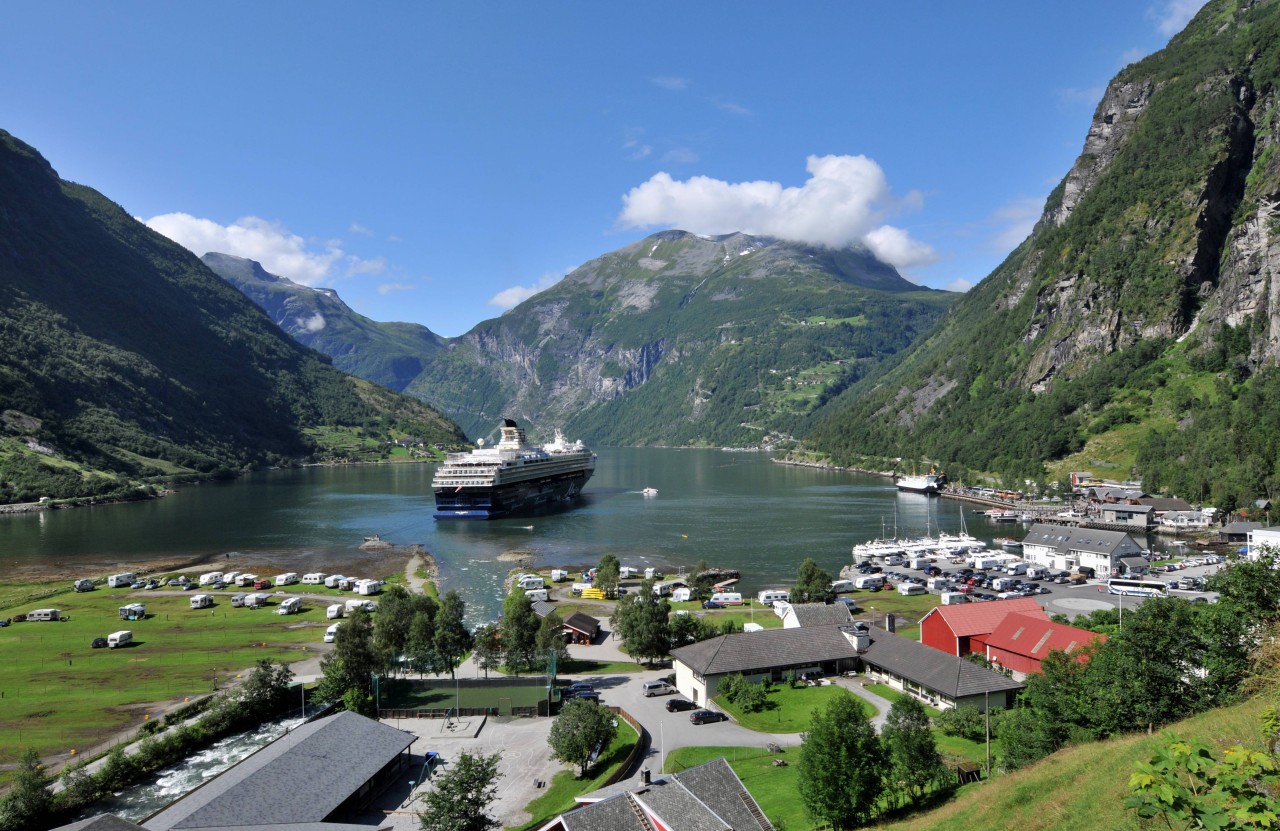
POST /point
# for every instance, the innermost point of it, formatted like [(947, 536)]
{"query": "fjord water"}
[(735, 510)]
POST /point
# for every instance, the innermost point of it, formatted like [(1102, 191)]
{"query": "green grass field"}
[(789, 710), (442, 694), (776, 789), (58, 694)]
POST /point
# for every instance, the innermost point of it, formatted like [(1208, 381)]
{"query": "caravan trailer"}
[(120, 581), (842, 586), (315, 578), (133, 611), (770, 596), (122, 638), (681, 595), (290, 606), (286, 579), (210, 577), (201, 601), (332, 581), (44, 614), (727, 598), (334, 611)]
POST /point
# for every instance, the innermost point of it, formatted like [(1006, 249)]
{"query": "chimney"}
[(644, 776), (890, 623)]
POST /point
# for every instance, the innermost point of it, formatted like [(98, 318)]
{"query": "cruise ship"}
[(511, 478)]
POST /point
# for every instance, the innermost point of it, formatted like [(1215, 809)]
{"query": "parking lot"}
[(1056, 593)]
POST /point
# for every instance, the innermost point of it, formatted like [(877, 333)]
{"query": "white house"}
[(1063, 547), (1259, 537)]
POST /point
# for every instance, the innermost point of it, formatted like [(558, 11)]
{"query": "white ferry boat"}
[(929, 483), (512, 478)]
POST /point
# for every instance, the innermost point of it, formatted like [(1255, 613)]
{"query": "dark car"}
[(153, 584), (577, 687), (98, 643), (589, 695), (675, 705), (706, 717), (711, 604)]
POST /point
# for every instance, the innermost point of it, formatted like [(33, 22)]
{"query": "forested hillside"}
[(1139, 326), (123, 359)]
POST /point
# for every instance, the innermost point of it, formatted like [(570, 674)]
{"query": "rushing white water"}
[(144, 799)]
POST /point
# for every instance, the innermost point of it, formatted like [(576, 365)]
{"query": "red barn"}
[(1020, 641), (953, 629)]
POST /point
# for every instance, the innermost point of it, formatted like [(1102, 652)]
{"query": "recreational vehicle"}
[(122, 638), (727, 598), (44, 614), (290, 606), (842, 586), (368, 587), (120, 581), (332, 632), (201, 601), (286, 579), (237, 600), (256, 600), (332, 581), (537, 594), (770, 596), (315, 578), (334, 611), (210, 577), (133, 611), (867, 581)]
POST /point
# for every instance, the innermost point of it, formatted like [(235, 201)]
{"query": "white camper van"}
[(867, 581), (256, 600), (201, 601), (210, 577), (530, 581), (44, 614), (332, 581), (120, 581), (334, 611), (286, 579), (332, 632), (770, 596), (122, 638), (681, 595), (237, 600), (1015, 568), (559, 575), (842, 586), (908, 589), (368, 587), (290, 606), (537, 594)]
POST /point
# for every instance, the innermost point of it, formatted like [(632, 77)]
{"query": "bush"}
[(966, 722)]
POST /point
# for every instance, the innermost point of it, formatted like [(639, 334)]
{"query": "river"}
[(735, 510)]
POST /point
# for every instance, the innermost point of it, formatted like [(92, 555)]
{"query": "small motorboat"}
[(650, 491)]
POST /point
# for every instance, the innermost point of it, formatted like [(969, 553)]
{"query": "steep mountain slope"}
[(391, 354), (682, 339), (121, 356), (1146, 295)]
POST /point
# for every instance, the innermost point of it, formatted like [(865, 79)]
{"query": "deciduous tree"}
[(28, 802), (608, 573), (913, 754), (583, 729), (841, 761), (640, 620), (488, 648), (461, 797), (452, 640), (813, 585), (550, 639), (519, 632)]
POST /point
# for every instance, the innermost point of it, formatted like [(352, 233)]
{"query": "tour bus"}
[(1140, 588)]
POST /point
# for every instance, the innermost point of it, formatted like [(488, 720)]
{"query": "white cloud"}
[(1171, 16), (1014, 222), (959, 284), (357, 228), (388, 288), (842, 203), (894, 246), (514, 296), (312, 324), (680, 155), (270, 243), (670, 82), (731, 107), (355, 266)]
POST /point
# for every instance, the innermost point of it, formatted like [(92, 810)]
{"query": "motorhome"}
[(727, 598), (286, 579), (201, 601), (133, 611), (332, 632), (314, 578), (356, 603), (770, 596), (982, 563), (334, 611), (246, 580), (625, 572), (83, 585), (368, 587), (681, 595), (652, 573), (44, 614), (893, 560), (237, 600), (559, 575), (1037, 572), (211, 577), (290, 606), (120, 581), (842, 586), (538, 594), (919, 563), (907, 589), (530, 581), (1015, 568), (954, 598), (867, 581), (936, 584), (122, 638), (1002, 584)]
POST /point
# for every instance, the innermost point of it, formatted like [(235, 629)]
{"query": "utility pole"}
[(987, 697)]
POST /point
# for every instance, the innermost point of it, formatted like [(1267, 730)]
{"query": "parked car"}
[(153, 584), (577, 687), (706, 717), (590, 695), (676, 705), (711, 604), (138, 584), (98, 643)]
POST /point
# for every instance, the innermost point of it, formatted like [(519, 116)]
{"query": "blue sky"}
[(437, 162)]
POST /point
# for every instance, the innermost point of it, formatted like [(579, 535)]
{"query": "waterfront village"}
[(705, 718)]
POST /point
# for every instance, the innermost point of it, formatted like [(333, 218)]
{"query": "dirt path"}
[(421, 560)]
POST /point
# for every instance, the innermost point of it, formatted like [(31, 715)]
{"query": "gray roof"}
[(542, 608), (932, 668), (1166, 503), (709, 797), (1067, 538), (750, 652), (820, 614), (1127, 509), (295, 781), (1240, 527), (102, 822)]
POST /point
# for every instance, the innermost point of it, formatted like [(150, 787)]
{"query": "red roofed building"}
[(953, 629), (1020, 641)]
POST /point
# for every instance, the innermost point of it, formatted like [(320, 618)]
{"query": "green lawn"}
[(776, 789), (56, 693), (565, 785), (887, 692), (428, 694), (789, 710), (582, 666)]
